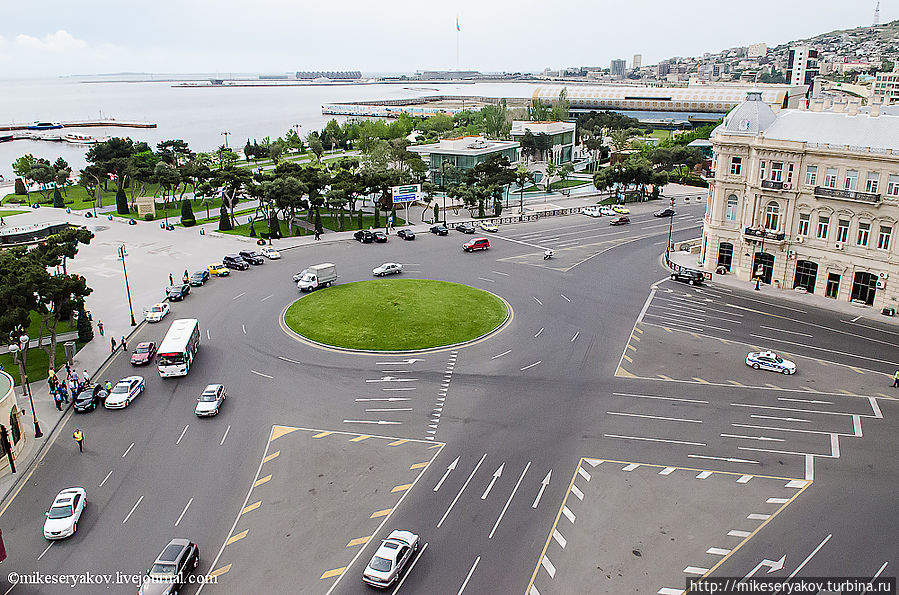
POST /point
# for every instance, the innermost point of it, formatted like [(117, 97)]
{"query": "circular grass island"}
[(396, 314)]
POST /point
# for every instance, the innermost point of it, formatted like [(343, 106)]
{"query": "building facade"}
[(10, 414), (807, 199), (637, 61), (458, 155), (617, 68), (560, 141), (886, 86), (802, 65)]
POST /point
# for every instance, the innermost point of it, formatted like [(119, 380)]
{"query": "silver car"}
[(388, 268), (209, 402), (390, 559), (124, 392)]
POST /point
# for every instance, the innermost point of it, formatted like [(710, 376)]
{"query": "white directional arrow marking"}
[(445, 475), (402, 361), (771, 564), (380, 422), (496, 475), (391, 399), (543, 485), (391, 379)]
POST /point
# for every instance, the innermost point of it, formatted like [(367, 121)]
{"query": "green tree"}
[(114, 157), (224, 218), (57, 199), (121, 202), (187, 213), (20, 187), (539, 111), (522, 178), (167, 176), (496, 120), (174, 152), (315, 145), (561, 107), (275, 151)]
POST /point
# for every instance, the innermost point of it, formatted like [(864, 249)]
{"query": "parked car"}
[(270, 253), (607, 210), (476, 244), (489, 227), (365, 236), (210, 400), (768, 360), (156, 312), (391, 557), (234, 261), (125, 391), (379, 236), (591, 211), (622, 220), (440, 230), (217, 269), (388, 268), (169, 572), (621, 210), (199, 278), (691, 276), (143, 353), (251, 256), (466, 228), (406, 234), (176, 293), (89, 398), (666, 212), (64, 513)]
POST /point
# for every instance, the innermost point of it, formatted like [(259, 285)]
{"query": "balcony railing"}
[(868, 197), (772, 185), (764, 233)]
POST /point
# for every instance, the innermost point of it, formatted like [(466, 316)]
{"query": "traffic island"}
[(396, 315)]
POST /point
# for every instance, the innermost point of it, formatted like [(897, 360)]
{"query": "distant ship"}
[(81, 139), (45, 126)]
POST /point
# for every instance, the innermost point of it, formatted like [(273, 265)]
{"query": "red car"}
[(476, 244), (619, 221), (143, 353)]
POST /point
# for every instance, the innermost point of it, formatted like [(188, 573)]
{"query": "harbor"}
[(77, 124)]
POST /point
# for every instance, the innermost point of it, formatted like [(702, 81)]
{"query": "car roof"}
[(144, 344), (67, 495), (130, 378), (171, 552), (211, 388)]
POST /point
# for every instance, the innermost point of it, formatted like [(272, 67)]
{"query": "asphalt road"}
[(498, 430)]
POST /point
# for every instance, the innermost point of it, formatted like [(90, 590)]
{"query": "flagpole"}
[(457, 42)]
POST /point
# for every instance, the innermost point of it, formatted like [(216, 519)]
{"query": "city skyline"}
[(389, 37)]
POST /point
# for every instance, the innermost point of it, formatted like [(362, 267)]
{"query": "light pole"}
[(670, 225), (122, 254), (443, 187), (225, 134), (20, 353)]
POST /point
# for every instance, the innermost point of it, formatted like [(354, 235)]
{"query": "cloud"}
[(59, 42)]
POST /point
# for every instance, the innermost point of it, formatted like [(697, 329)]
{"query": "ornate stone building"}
[(807, 199)]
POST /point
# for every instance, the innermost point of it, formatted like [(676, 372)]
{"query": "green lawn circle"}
[(396, 314)]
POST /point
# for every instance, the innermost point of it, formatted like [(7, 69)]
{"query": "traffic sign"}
[(405, 194)]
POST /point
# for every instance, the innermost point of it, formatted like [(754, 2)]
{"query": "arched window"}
[(772, 216), (731, 212)]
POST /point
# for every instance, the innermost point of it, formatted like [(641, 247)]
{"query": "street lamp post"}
[(20, 353), (225, 134), (443, 187), (122, 254), (670, 225)]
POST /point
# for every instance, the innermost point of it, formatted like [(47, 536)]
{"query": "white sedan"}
[(394, 553), (210, 400), (156, 312), (62, 518), (125, 391), (591, 212), (768, 360), (388, 268), (270, 253)]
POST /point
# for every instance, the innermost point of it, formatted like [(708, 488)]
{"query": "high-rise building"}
[(664, 68), (802, 65), (638, 61), (617, 68), (757, 50), (886, 86)]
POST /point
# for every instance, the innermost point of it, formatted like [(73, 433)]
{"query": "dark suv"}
[(233, 261), (365, 236), (170, 570), (251, 257), (691, 276), (176, 293)]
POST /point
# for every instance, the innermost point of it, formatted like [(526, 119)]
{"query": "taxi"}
[(621, 210), (217, 269), (768, 360)]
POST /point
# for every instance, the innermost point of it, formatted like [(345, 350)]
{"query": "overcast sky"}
[(58, 37)]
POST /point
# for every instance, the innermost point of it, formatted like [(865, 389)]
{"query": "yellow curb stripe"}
[(358, 541), (639, 330), (220, 571), (360, 438), (379, 513), (397, 442), (628, 358), (663, 377), (419, 466), (261, 481), (701, 381), (635, 338), (735, 383), (435, 446), (623, 373), (860, 371), (401, 488), (252, 507), (322, 434), (631, 347), (330, 573), (271, 456), (846, 392), (237, 537), (278, 431)]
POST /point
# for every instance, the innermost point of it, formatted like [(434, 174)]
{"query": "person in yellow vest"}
[(896, 380), (79, 439)]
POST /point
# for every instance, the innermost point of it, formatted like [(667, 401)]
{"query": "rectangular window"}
[(790, 174), (777, 172), (872, 182), (736, 166), (830, 178), (893, 186), (804, 219), (851, 181), (762, 166), (863, 229), (883, 241), (823, 226), (842, 230), (811, 175)]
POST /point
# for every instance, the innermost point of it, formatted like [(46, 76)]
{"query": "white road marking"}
[(390, 399), (388, 409), (856, 318), (668, 590), (531, 365), (805, 401), (565, 298), (695, 570), (630, 467), (400, 361), (538, 332), (239, 295), (549, 567), (411, 566), (133, 508), (796, 419), (659, 417), (543, 485), (39, 557), (183, 432), (577, 492), (574, 337), (815, 551), (486, 279), (877, 574), (207, 334), (287, 359), (406, 388), (500, 273), (780, 330), (777, 500), (667, 471), (449, 470), (465, 485), (104, 479), (124, 454), (662, 398), (261, 374), (704, 475), (796, 483), (717, 551), (244, 327), (641, 438), (758, 517), (739, 436), (266, 297), (380, 422), (502, 354), (509, 501), (391, 379), (810, 467), (583, 473), (568, 514), (726, 459), (496, 475), (740, 534), (181, 516), (228, 429), (536, 300)]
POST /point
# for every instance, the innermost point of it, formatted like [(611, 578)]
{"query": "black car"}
[(691, 276), (406, 234), (440, 230), (199, 278), (364, 236), (176, 293), (89, 398), (379, 236), (233, 261), (171, 568), (251, 257), (666, 212), (465, 228)]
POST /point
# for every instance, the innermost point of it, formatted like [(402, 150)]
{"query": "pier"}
[(82, 124)]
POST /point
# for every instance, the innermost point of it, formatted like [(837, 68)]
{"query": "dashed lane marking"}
[(220, 571), (251, 507), (332, 573), (237, 537), (379, 513), (271, 456), (358, 541), (262, 480)]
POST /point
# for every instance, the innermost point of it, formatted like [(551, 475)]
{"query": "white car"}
[(270, 253), (125, 391), (210, 400), (390, 559), (607, 210), (388, 268), (156, 312), (62, 518), (591, 211), (768, 360)]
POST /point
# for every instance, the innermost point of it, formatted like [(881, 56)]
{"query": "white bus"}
[(178, 349)]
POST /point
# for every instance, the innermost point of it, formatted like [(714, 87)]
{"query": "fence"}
[(519, 218), (679, 268)]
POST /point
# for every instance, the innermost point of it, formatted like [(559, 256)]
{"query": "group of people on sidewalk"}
[(61, 389)]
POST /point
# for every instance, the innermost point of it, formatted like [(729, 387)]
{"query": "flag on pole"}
[(458, 28)]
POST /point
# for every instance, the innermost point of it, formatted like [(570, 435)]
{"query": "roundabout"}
[(396, 315)]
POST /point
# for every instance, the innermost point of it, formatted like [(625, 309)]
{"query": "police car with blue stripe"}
[(768, 360)]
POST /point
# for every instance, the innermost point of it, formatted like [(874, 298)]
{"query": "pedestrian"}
[(124, 346), (896, 380), (57, 398), (186, 275), (171, 279), (318, 234), (63, 393), (112, 342), (68, 370), (86, 378), (51, 382), (75, 379), (108, 386), (2, 222), (79, 439), (100, 327)]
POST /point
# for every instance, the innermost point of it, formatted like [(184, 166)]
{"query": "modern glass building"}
[(559, 138), (462, 153)]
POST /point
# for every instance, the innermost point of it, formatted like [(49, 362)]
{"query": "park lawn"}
[(568, 184), (216, 216), (174, 209), (10, 212), (396, 314), (76, 197), (34, 325), (661, 134), (37, 362), (329, 222)]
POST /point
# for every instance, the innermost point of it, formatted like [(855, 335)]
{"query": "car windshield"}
[(308, 277), (198, 275), (61, 512), (380, 564), (160, 570), (142, 349), (120, 389), (85, 395), (210, 396), (156, 309)]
